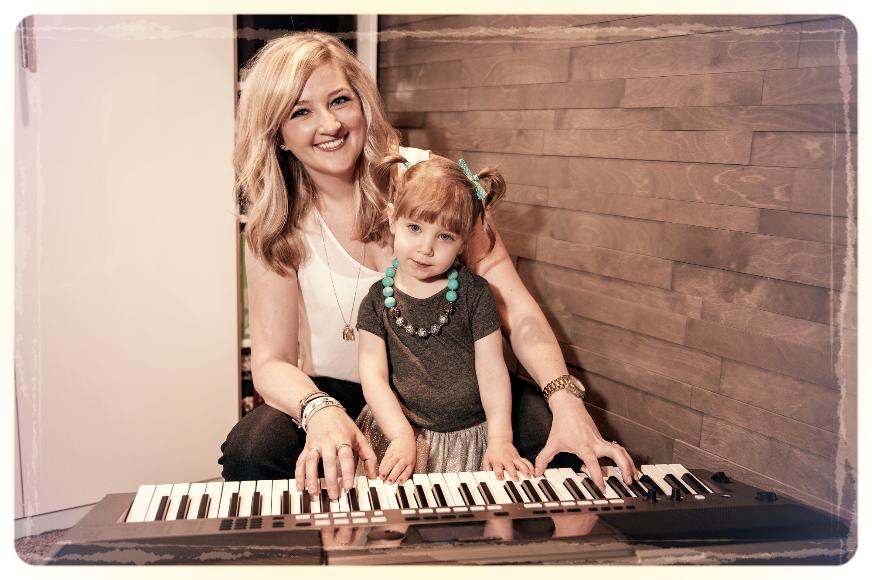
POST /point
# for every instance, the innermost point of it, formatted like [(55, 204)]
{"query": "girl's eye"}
[(414, 227), (299, 113), (446, 237)]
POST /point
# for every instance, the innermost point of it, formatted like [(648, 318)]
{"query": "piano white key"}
[(214, 489), (496, 486), (343, 500), (609, 492), (363, 493), (678, 470), (230, 487), (179, 490), (317, 506), (452, 483), (555, 478), (467, 478), (278, 487), (264, 488), (195, 493), (654, 473), (296, 497), (159, 492), (390, 490), (139, 507), (572, 476), (246, 491), (424, 481), (409, 488)]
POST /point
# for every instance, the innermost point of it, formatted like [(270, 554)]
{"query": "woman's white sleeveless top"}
[(322, 350)]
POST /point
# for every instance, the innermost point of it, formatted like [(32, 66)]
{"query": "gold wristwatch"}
[(568, 382)]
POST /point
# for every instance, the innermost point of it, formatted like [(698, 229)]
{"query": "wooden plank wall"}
[(679, 206)]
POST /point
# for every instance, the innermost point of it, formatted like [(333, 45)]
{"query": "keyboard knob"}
[(721, 477), (766, 496), (677, 494), (651, 496)]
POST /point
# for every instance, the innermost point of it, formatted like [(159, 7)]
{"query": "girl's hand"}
[(502, 456), (334, 439), (399, 460)]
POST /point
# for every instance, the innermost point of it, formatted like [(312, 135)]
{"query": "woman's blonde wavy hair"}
[(274, 187)]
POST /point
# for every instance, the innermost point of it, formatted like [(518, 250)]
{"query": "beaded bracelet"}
[(298, 420), (322, 404)]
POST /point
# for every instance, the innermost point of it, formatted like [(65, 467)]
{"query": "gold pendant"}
[(347, 333)]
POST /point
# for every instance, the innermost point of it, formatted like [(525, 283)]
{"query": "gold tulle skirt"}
[(438, 452)]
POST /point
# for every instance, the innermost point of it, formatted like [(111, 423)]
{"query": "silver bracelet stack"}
[(314, 405)]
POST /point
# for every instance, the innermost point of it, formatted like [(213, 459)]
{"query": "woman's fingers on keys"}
[(330, 472), (300, 471), (592, 467), (312, 458), (345, 455)]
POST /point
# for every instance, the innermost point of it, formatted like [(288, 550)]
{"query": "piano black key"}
[(573, 488), (467, 495), (325, 501), (592, 489), (162, 509), (305, 502), (638, 489), (286, 502), (486, 493), (546, 488), (373, 499), (233, 511), (646, 479), (693, 482), (404, 500), (440, 495), (674, 482), (183, 507), (617, 485), (352, 500), (531, 491), (203, 509), (513, 492), (421, 496), (255, 503)]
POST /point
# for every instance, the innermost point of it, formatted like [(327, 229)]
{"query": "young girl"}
[(430, 355)]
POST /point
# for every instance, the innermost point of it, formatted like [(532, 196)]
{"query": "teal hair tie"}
[(480, 193)]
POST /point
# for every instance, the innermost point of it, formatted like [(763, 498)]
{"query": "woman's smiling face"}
[(326, 128)]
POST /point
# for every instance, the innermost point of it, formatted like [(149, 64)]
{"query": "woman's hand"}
[(399, 460), (502, 456), (574, 431), (332, 437)]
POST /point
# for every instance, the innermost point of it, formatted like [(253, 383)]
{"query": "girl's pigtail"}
[(495, 187), (387, 178)]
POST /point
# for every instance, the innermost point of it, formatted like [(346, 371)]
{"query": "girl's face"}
[(425, 250), (326, 128)]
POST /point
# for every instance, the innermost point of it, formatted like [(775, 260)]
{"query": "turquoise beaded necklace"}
[(411, 329)]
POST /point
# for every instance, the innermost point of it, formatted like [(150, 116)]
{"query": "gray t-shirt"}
[(434, 378)]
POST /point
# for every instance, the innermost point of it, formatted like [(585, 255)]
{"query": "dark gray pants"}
[(265, 444)]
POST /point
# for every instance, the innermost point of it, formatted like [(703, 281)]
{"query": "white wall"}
[(126, 352)]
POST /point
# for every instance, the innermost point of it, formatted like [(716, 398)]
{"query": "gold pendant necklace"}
[(347, 330)]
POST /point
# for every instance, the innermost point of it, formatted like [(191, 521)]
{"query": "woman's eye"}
[(341, 100), (299, 113)]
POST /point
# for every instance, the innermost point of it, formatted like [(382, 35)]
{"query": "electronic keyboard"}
[(671, 514)]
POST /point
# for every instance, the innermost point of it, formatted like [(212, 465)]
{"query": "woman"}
[(310, 128)]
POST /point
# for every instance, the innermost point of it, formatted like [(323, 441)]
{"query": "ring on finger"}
[(341, 445), (615, 443)]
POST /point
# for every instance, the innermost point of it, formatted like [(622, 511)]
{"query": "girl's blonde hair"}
[(438, 191), (273, 186)]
